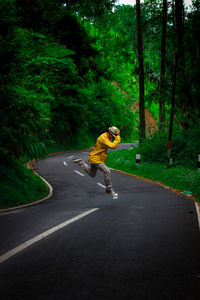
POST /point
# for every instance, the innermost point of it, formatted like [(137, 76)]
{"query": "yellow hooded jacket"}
[(99, 154)]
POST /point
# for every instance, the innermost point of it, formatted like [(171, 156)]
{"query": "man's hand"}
[(118, 132)]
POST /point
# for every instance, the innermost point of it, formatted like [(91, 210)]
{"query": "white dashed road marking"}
[(103, 186), (64, 162), (79, 173), (41, 236), (70, 157)]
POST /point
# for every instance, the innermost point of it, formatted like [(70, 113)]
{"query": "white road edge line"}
[(79, 173), (198, 212), (41, 236), (50, 193), (103, 186)]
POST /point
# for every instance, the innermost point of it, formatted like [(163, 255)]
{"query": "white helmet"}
[(114, 131)]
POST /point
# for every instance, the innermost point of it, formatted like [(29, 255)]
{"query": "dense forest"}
[(70, 69)]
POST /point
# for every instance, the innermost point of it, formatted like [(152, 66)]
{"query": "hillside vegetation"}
[(59, 60)]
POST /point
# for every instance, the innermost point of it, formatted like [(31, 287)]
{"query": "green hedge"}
[(19, 185)]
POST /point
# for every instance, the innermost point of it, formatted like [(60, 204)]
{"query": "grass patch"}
[(179, 178), (19, 185)]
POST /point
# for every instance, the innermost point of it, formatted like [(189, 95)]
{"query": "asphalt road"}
[(144, 245)]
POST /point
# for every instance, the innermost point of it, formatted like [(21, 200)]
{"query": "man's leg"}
[(90, 170), (107, 175)]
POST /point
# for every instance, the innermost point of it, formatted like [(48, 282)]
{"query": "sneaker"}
[(112, 193), (76, 160)]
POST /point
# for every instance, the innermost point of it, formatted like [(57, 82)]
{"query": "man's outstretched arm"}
[(111, 145)]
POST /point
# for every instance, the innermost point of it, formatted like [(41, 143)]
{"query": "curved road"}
[(82, 244)]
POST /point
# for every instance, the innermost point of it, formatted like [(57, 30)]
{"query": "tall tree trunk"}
[(196, 6), (172, 112), (173, 12), (149, 57), (179, 12), (163, 66), (141, 73)]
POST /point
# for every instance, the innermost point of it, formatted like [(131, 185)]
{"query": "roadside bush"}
[(179, 177), (18, 185), (189, 154), (185, 147), (153, 149)]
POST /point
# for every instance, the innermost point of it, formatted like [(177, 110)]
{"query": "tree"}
[(172, 111), (163, 66), (92, 10), (141, 73), (181, 80)]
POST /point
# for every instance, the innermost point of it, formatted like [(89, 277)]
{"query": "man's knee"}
[(107, 172)]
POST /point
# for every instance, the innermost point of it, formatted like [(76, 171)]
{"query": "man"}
[(98, 157)]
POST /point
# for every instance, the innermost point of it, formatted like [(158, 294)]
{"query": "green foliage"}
[(68, 71), (18, 185), (154, 149), (90, 9), (179, 177), (35, 151), (53, 88), (185, 147), (115, 32), (188, 146)]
